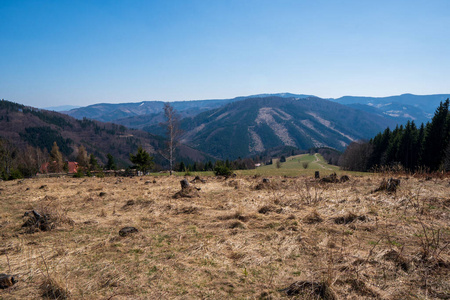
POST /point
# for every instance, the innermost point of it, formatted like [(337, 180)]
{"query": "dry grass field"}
[(237, 238)]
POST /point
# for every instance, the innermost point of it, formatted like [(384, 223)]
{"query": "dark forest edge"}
[(407, 148)]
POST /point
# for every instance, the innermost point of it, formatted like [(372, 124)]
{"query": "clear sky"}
[(83, 52)]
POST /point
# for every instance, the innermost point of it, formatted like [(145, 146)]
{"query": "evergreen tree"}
[(435, 138), (447, 158), (380, 144), (418, 146), (406, 155), (392, 151), (142, 160), (227, 163), (93, 163), (111, 164)]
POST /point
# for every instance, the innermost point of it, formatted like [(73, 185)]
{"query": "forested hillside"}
[(254, 125), (412, 147), (27, 136)]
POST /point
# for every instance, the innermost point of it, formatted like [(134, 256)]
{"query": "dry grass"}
[(232, 241)]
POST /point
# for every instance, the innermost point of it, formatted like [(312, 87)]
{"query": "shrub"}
[(15, 174), (222, 170), (79, 173)]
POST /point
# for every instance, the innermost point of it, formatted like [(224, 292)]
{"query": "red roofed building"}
[(72, 166)]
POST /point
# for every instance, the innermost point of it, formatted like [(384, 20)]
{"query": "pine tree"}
[(111, 164), (392, 150), (142, 160), (405, 153), (380, 144), (93, 163), (435, 138)]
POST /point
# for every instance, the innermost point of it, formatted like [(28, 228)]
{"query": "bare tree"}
[(6, 157), (356, 157), (173, 133), (56, 160), (82, 157)]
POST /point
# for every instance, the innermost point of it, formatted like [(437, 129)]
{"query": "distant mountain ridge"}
[(107, 112), (253, 125), (419, 108), (138, 115), (61, 108), (247, 128), (23, 125)]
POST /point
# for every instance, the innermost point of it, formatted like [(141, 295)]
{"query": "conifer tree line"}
[(238, 164), (414, 148)]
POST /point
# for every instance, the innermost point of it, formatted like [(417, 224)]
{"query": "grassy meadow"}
[(235, 238)]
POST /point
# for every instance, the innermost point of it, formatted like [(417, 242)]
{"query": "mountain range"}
[(244, 126), (419, 108), (214, 129), (23, 125), (253, 125)]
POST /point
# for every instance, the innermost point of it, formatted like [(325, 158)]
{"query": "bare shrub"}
[(311, 290), (236, 224), (45, 218), (237, 215), (313, 217), (268, 208), (349, 218), (53, 289), (389, 185)]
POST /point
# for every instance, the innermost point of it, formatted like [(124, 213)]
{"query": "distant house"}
[(71, 165), (44, 168), (257, 165)]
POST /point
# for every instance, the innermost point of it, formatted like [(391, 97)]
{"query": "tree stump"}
[(184, 184), (317, 175), (127, 231), (6, 281), (187, 190)]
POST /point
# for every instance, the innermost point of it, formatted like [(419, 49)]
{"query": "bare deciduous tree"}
[(82, 157), (173, 133), (56, 160), (356, 157), (6, 161)]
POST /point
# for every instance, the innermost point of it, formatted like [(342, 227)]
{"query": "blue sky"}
[(84, 52)]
